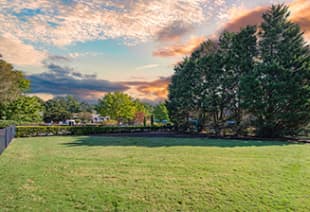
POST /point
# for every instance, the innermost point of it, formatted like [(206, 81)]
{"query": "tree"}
[(84, 116), (71, 103), (264, 76), (238, 53), (276, 91), (56, 110), (12, 85), (86, 107), (62, 108), (25, 109), (160, 112), (118, 106), (189, 99), (180, 103), (12, 82)]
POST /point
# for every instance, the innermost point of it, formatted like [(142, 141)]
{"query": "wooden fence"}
[(6, 136)]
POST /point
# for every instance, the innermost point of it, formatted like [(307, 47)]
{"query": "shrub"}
[(6, 123), (110, 122), (32, 131)]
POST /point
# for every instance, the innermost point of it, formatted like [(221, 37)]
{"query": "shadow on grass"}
[(170, 142)]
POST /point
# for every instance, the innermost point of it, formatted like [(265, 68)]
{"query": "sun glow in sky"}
[(89, 48)]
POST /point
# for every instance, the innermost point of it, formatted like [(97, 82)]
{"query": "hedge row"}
[(6, 123), (32, 131)]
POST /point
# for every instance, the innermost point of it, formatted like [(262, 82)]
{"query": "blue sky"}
[(124, 45)]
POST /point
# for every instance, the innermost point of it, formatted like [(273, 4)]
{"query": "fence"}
[(6, 136)]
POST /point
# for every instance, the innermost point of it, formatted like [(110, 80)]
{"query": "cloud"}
[(43, 96), (174, 31), (240, 16), (155, 91), (65, 22), (59, 70), (15, 51), (157, 88), (179, 49), (60, 80), (301, 15), (74, 55), (150, 66), (59, 58)]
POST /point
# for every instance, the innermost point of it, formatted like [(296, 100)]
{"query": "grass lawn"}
[(153, 174)]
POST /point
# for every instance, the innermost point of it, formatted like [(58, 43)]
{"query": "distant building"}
[(96, 118), (70, 122)]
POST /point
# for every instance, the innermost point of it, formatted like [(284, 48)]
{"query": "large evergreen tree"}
[(185, 100), (277, 90), (246, 77), (241, 60)]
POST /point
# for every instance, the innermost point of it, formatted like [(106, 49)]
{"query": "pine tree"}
[(241, 60), (277, 90)]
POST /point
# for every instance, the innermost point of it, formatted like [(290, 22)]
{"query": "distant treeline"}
[(17, 107)]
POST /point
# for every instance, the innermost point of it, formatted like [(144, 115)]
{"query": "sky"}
[(87, 48)]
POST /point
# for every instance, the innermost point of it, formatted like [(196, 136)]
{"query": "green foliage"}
[(12, 82), (189, 99), (12, 85), (6, 123), (84, 116), (243, 81), (32, 131), (277, 90), (62, 108), (121, 107), (160, 112), (144, 121), (56, 110), (152, 120), (24, 109)]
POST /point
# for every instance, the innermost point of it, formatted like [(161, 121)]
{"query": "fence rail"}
[(6, 136)]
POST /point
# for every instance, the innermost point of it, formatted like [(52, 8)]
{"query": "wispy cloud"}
[(64, 22), (149, 66), (84, 54)]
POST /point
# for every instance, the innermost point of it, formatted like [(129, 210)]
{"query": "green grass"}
[(153, 174)]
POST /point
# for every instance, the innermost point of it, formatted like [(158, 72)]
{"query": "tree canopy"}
[(256, 77), (62, 108), (121, 107), (161, 113), (24, 109), (12, 82)]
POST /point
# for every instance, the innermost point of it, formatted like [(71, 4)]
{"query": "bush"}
[(110, 123), (32, 131), (6, 123)]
